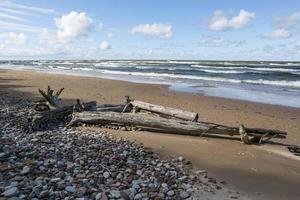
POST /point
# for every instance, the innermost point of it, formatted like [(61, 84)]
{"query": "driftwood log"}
[(172, 125), (173, 112), (113, 108), (39, 119)]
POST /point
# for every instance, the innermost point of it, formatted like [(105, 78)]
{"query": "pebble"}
[(180, 158), (184, 195), (13, 191), (106, 174), (98, 196), (25, 170), (70, 189), (115, 193), (170, 193)]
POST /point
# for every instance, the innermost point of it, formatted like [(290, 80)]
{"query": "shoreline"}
[(211, 89), (258, 172)]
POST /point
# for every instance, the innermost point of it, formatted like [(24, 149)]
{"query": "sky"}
[(152, 29)]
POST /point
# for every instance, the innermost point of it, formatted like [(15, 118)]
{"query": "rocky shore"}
[(82, 164)]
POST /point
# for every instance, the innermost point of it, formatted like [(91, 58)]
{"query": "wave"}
[(216, 79), (275, 69), (107, 64), (223, 71), (83, 68), (214, 67), (61, 67), (262, 69)]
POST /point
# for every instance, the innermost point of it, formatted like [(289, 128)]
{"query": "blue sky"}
[(135, 29)]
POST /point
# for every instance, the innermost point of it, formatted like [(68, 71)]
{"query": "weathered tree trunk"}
[(52, 99), (113, 108), (38, 119), (172, 125), (173, 112)]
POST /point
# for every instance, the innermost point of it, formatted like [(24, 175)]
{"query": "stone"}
[(25, 170), (10, 192), (44, 194), (138, 196), (98, 196), (115, 193), (139, 172), (170, 193), (184, 195), (71, 189), (180, 158), (55, 179), (106, 175)]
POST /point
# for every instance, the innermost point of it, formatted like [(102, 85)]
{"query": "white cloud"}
[(73, 25), (156, 29), (15, 12), (105, 45), (220, 22), (289, 21), (10, 17), (13, 38), (27, 8), (277, 34), (20, 27)]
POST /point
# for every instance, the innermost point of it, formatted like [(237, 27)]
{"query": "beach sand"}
[(265, 171)]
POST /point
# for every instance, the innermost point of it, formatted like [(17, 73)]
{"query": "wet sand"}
[(267, 171)]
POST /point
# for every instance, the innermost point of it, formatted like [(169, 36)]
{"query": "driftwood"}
[(172, 125), (50, 97), (50, 100), (173, 112), (39, 119), (113, 108), (166, 119)]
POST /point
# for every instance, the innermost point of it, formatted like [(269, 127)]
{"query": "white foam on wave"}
[(217, 79), (223, 71), (83, 68), (107, 64), (260, 69), (275, 69), (278, 83), (61, 67), (214, 67)]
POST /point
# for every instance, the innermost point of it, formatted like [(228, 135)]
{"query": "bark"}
[(171, 125), (173, 112)]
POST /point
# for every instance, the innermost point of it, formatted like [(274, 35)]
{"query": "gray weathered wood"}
[(173, 112), (172, 125), (38, 119), (113, 108), (52, 99)]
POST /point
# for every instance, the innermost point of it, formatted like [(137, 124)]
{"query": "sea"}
[(258, 81)]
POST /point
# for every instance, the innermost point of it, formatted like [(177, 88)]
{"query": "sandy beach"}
[(265, 171)]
